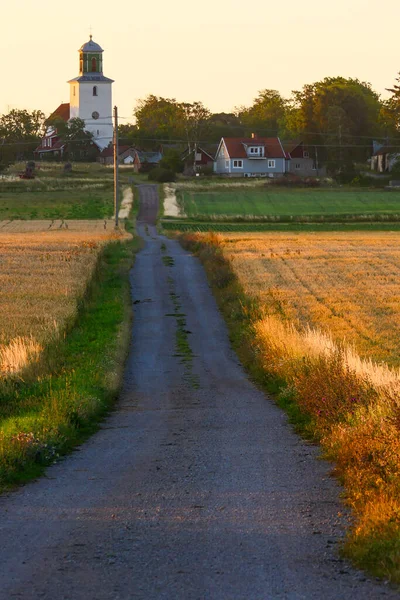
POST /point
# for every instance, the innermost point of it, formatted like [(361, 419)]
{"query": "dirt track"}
[(195, 487)]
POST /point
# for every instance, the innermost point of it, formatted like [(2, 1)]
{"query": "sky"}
[(218, 52)]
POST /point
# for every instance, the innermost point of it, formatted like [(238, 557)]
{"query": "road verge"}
[(58, 410)]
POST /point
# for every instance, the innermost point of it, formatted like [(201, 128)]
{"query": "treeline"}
[(337, 117)]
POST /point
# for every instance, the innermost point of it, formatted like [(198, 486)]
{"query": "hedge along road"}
[(194, 488)]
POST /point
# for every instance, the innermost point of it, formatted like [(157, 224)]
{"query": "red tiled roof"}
[(236, 146), (56, 146), (62, 112), (109, 151), (290, 146)]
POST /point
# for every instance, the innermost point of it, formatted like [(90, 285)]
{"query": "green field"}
[(299, 205), (224, 227), (85, 193), (64, 204)]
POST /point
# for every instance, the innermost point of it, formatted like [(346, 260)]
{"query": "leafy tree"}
[(266, 115), (159, 118), (172, 161), (224, 125), (340, 115), (195, 121), (20, 131), (390, 112)]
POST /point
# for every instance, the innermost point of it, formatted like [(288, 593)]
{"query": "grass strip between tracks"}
[(44, 417), (327, 402)]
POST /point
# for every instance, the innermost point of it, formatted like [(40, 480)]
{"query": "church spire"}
[(90, 58)]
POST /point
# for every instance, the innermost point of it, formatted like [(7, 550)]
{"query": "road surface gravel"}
[(194, 488)]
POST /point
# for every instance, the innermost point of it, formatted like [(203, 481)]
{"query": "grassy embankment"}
[(85, 193), (65, 312), (287, 302), (250, 207)]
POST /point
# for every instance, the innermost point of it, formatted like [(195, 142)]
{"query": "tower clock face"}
[(95, 115)]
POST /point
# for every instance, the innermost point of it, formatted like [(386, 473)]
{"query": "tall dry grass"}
[(43, 274), (351, 402)]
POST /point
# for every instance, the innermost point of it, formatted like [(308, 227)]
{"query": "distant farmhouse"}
[(384, 157), (90, 100), (198, 160), (128, 155), (263, 157)]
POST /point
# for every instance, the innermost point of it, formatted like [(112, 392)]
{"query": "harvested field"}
[(44, 270), (346, 284), (291, 294)]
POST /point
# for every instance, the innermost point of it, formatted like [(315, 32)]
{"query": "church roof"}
[(93, 77), (62, 112), (91, 46)]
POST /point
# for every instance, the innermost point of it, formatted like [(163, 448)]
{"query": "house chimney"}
[(253, 136)]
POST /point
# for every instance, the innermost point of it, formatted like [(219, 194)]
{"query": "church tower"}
[(91, 94)]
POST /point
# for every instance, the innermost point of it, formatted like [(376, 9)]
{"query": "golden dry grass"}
[(345, 284), (313, 293), (44, 270)]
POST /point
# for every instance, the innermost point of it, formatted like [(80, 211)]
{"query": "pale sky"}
[(220, 53)]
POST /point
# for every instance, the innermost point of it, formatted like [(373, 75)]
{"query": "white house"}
[(250, 157)]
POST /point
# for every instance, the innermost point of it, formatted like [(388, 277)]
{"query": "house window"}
[(95, 90), (297, 166), (271, 164), (198, 156), (227, 164), (238, 164), (94, 65), (306, 154), (222, 153), (74, 91)]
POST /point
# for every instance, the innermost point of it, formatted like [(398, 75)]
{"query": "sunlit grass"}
[(287, 301)]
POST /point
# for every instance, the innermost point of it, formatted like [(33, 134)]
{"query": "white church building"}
[(90, 100)]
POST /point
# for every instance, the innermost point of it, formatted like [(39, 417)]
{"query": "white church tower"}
[(91, 94)]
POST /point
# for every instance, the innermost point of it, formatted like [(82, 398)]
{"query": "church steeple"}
[(91, 94), (90, 58)]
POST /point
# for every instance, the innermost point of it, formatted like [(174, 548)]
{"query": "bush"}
[(161, 175), (172, 161), (290, 180)]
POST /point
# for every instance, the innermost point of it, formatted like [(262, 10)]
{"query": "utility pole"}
[(116, 181)]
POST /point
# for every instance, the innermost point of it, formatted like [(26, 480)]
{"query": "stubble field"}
[(346, 284), (316, 318), (44, 270)]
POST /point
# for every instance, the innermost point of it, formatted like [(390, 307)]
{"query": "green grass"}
[(41, 419), (63, 204), (296, 204), (201, 226), (85, 193)]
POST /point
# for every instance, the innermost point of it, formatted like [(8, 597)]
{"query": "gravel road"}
[(194, 488)]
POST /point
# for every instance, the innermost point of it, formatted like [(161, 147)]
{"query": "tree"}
[(20, 131), (390, 111), (266, 115), (340, 115), (172, 161), (224, 125), (159, 118), (195, 122)]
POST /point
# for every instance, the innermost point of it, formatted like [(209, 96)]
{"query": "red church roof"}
[(62, 112)]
